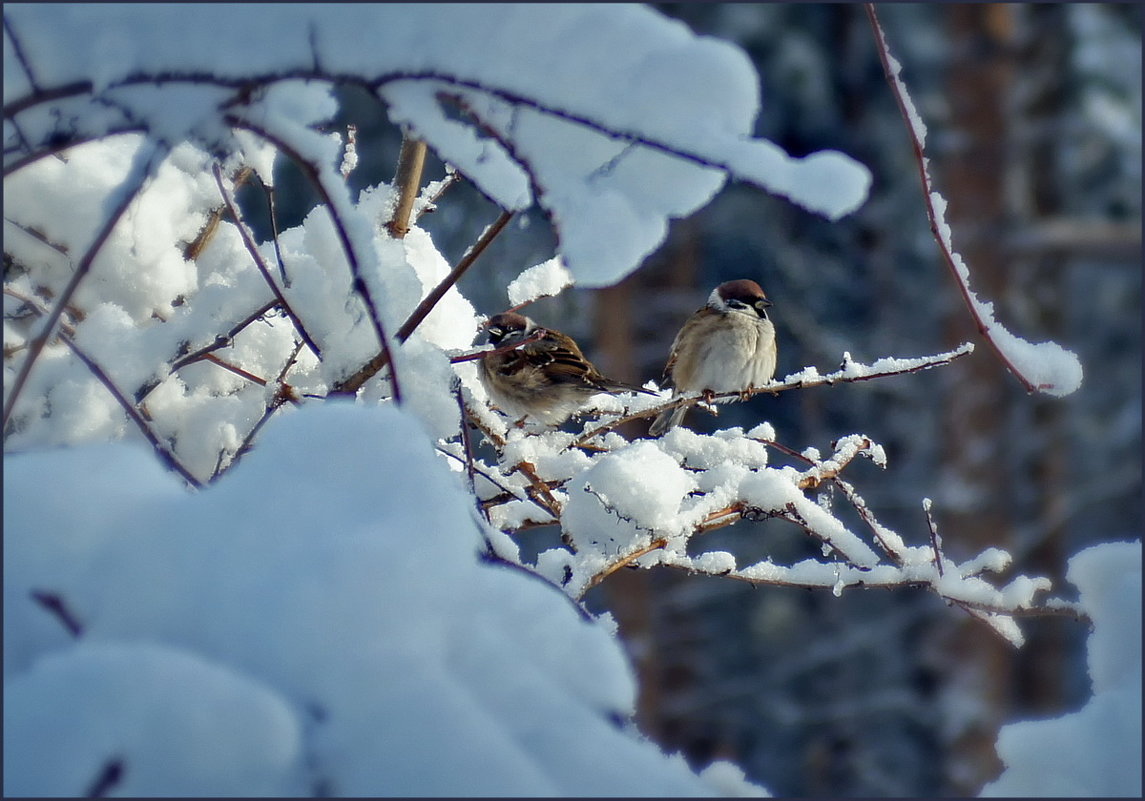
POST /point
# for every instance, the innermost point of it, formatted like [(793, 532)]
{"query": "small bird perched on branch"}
[(726, 346), (547, 379)]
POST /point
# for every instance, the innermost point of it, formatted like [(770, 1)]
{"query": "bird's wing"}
[(697, 318)]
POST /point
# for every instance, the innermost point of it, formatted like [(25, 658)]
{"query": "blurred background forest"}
[(1034, 118)]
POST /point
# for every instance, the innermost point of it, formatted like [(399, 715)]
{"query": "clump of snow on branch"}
[(633, 120), (542, 280), (1047, 366)]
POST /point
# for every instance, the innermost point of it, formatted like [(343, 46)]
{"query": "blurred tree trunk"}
[(1044, 92), (971, 163), (634, 327)]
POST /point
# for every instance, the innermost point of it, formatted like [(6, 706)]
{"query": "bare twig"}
[(206, 234), (453, 178), (935, 540), (38, 236), (272, 214), (624, 561), (166, 455), (483, 352), (489, 477), (360, 286), (221, 341), (540, 487), (146, 161), (260, 262), (438, 292), (407, 179), (368, 370), (54, 603), (210, 357), (283, 393)]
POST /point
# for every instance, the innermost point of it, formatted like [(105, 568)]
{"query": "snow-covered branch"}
[(1043, 367), (849, 371), (612, 516)]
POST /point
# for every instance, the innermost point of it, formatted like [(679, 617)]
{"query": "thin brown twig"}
[(928, 191), (438, 292), (625, 560), (260, 262), (371, 368), (39, 237), (166, 455), (481, 354), (224, 340), (283, 394), (540, 487), (359, 282), (452, 179), (210, 357), (838, 377), (206, 234), (220, 342)]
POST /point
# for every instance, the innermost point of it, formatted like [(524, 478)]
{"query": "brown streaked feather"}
[(697, 318)]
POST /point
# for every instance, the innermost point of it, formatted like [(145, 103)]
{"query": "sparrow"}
[(728, 345), (547, 379)]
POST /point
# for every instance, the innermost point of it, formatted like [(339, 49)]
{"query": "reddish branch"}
[(927, 191), (368, 370), (839, 377), (480, 354), (283, 393)]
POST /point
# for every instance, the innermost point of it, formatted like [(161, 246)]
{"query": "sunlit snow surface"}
[(1096, 751), (612, 117), (318, 619)]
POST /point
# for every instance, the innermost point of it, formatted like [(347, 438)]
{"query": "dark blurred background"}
[(1034, 118)]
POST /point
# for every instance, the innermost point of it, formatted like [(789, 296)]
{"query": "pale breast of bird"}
[(740, 353)]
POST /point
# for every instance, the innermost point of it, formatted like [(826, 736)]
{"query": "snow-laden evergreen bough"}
[(139, 303)]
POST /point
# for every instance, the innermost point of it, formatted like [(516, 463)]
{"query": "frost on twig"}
[(806, 378), (648, 503), (1043, 367)]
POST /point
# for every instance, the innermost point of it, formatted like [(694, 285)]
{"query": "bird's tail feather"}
[(667, 420)]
